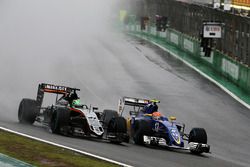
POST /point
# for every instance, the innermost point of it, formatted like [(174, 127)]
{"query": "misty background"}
[(40, 40)]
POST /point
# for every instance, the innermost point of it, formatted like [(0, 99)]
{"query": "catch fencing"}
[(188, 18)]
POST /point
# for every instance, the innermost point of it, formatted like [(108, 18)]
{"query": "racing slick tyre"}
[(108, 115), (27, 111), (197, 135), (141, 128), (59, 119)]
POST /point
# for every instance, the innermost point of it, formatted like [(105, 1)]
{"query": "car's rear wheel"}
[(117, 125), (108, 115), (59, 120), (28, 111)]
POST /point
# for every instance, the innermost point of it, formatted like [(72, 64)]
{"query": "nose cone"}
[(176, 136)]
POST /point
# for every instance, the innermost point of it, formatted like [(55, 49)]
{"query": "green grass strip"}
[(41, 154)]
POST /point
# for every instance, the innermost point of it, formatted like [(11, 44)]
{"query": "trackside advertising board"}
[(211, 30), (241, 2)]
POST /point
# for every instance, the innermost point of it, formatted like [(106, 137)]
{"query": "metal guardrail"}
[(187, 18)]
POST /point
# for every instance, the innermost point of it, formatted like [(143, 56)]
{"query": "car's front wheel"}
[(197, 135), (141, 128)]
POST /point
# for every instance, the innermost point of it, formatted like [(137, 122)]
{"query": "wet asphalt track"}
[(130, 67), (38, 45)]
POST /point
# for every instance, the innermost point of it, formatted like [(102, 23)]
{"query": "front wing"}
[(192, 146)]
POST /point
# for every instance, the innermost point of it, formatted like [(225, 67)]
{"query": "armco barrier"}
[(232, 70)]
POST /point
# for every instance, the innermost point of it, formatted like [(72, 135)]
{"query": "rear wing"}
[(50, 88), (131, 101)]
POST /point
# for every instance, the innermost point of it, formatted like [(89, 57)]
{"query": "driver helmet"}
[(76, 102), (156, 115), (154, 101)]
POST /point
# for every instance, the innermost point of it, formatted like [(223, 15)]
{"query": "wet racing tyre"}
[(27, 111), (59, 119), (117, 125), (141, 128), (198, 135), (107, 116)]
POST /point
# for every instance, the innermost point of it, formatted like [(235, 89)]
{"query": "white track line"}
[(69, 148), (199, 71)]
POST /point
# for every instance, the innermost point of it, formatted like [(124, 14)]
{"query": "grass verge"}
[(41, 154)]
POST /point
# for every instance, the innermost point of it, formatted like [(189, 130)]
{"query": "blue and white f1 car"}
[(156, 129)]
